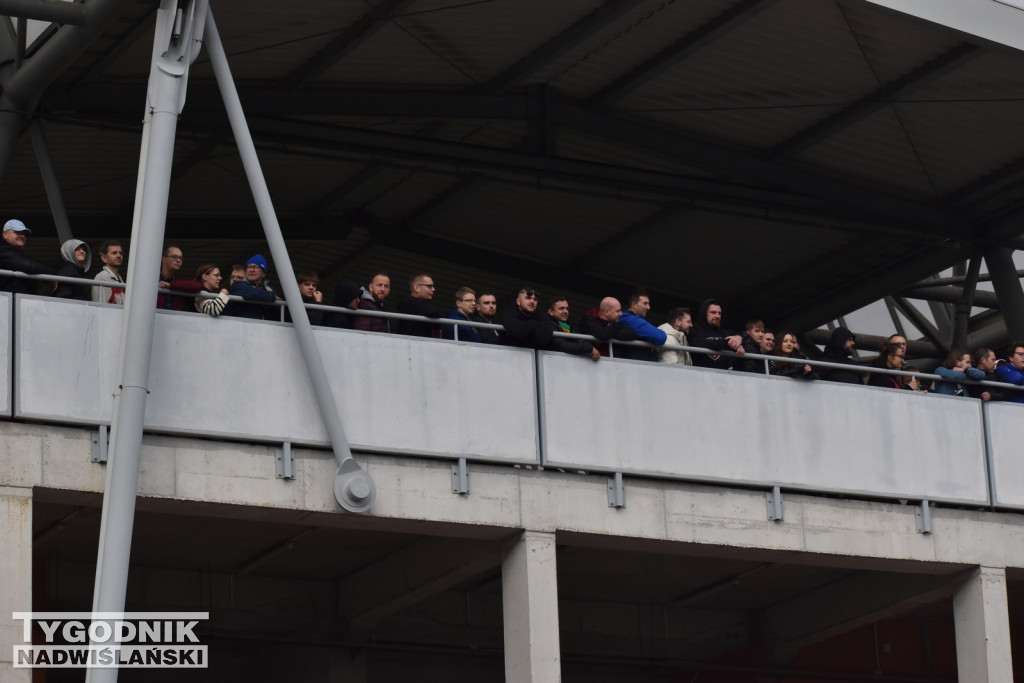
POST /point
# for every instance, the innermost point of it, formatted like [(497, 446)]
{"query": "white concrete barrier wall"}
[(1006, 439), (713, 425), (5, 354), (246, 379)]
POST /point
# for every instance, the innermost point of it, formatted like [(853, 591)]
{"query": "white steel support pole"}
[(529, 600), (173, 52), (353, 488), (982, 620), (53, 195)]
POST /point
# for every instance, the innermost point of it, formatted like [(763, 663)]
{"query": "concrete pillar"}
[(982, 620), (15, 575), (529, 587)]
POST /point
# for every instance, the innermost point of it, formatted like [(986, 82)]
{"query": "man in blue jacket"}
[(252, 288), (1013, 372), (633, 318)]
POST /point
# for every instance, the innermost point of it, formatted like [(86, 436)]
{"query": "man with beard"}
[(839, 350), (985, 360), (112, 256), (371, 298), (678, 326), (527, 327), (708, 333), (486, 312), (634, 318)]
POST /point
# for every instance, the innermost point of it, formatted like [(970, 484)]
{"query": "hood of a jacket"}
[(67, 250)]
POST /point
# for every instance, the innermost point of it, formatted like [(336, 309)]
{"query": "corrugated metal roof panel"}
[(876, 152), (544, 225)]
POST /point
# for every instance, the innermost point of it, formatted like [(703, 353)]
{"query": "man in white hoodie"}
[(679, 323)]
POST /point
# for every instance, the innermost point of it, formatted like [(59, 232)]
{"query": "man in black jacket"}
[(418, 302), (603, 322), (486, 312), (707, 333), (11, 258), (527, 327), (839, 350)]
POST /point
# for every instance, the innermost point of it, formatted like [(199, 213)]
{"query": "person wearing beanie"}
[(253, 288), (14, 237), (78, 259)]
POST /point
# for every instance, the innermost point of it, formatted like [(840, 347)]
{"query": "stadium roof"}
[(795, 158)]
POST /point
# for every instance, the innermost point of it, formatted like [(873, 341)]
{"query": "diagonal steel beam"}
[(566, 40), (45, 10), (874, 101), (350, 38), (672, 55), (922, 323)]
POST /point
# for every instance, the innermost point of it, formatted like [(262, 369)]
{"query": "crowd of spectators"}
[(524, 321)]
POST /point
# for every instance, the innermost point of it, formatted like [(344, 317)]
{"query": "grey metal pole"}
[(353, 488), (1006, 282), (965, 302), (172, 54), (53, 195)]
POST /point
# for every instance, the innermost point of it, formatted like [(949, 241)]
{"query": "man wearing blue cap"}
[(253, 288), (11, 258)]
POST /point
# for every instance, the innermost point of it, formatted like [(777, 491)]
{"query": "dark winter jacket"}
[(487, 336), (594, 325), (792, 369), (343, 295), (250, 292), (536, 331), (707, 337), (169, 302), (466, 333), (72, 269), (418, 328), (836, 353), (745, 364), (13, 259)]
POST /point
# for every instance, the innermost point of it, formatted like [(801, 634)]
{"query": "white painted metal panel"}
[(999, 21), (710, 425), (246, 379), (5, 353), (1006, 440)]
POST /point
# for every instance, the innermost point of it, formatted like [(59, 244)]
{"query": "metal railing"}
[(455, 324)]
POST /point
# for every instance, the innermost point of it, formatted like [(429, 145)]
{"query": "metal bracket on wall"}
[(616, 492), (774, 498), (460, 477), (99, 445), (285, 463), (924, 517)]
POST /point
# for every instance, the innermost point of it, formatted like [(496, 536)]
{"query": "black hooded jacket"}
[(536, 331), (835, 352), (708, 337)]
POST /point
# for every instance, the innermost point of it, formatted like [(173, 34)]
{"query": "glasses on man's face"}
[(531, 293), (900, 344), (428, 286), (174, 257)]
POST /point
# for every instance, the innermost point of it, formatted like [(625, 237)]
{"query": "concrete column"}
[(982, 620), (15, 575), (529, 587)]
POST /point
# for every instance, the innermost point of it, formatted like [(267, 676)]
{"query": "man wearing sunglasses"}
[(527, 327)]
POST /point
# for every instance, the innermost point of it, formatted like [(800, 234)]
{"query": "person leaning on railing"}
[(1013, 372), (209, 278), (252, 288), (839, 350), (787, 349), (526, 327), (985, 360), (78, 258), (14, 238), (956, 369)]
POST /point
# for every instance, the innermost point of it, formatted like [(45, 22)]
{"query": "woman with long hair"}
[(956, 369), (209, 278), (787, 348)]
